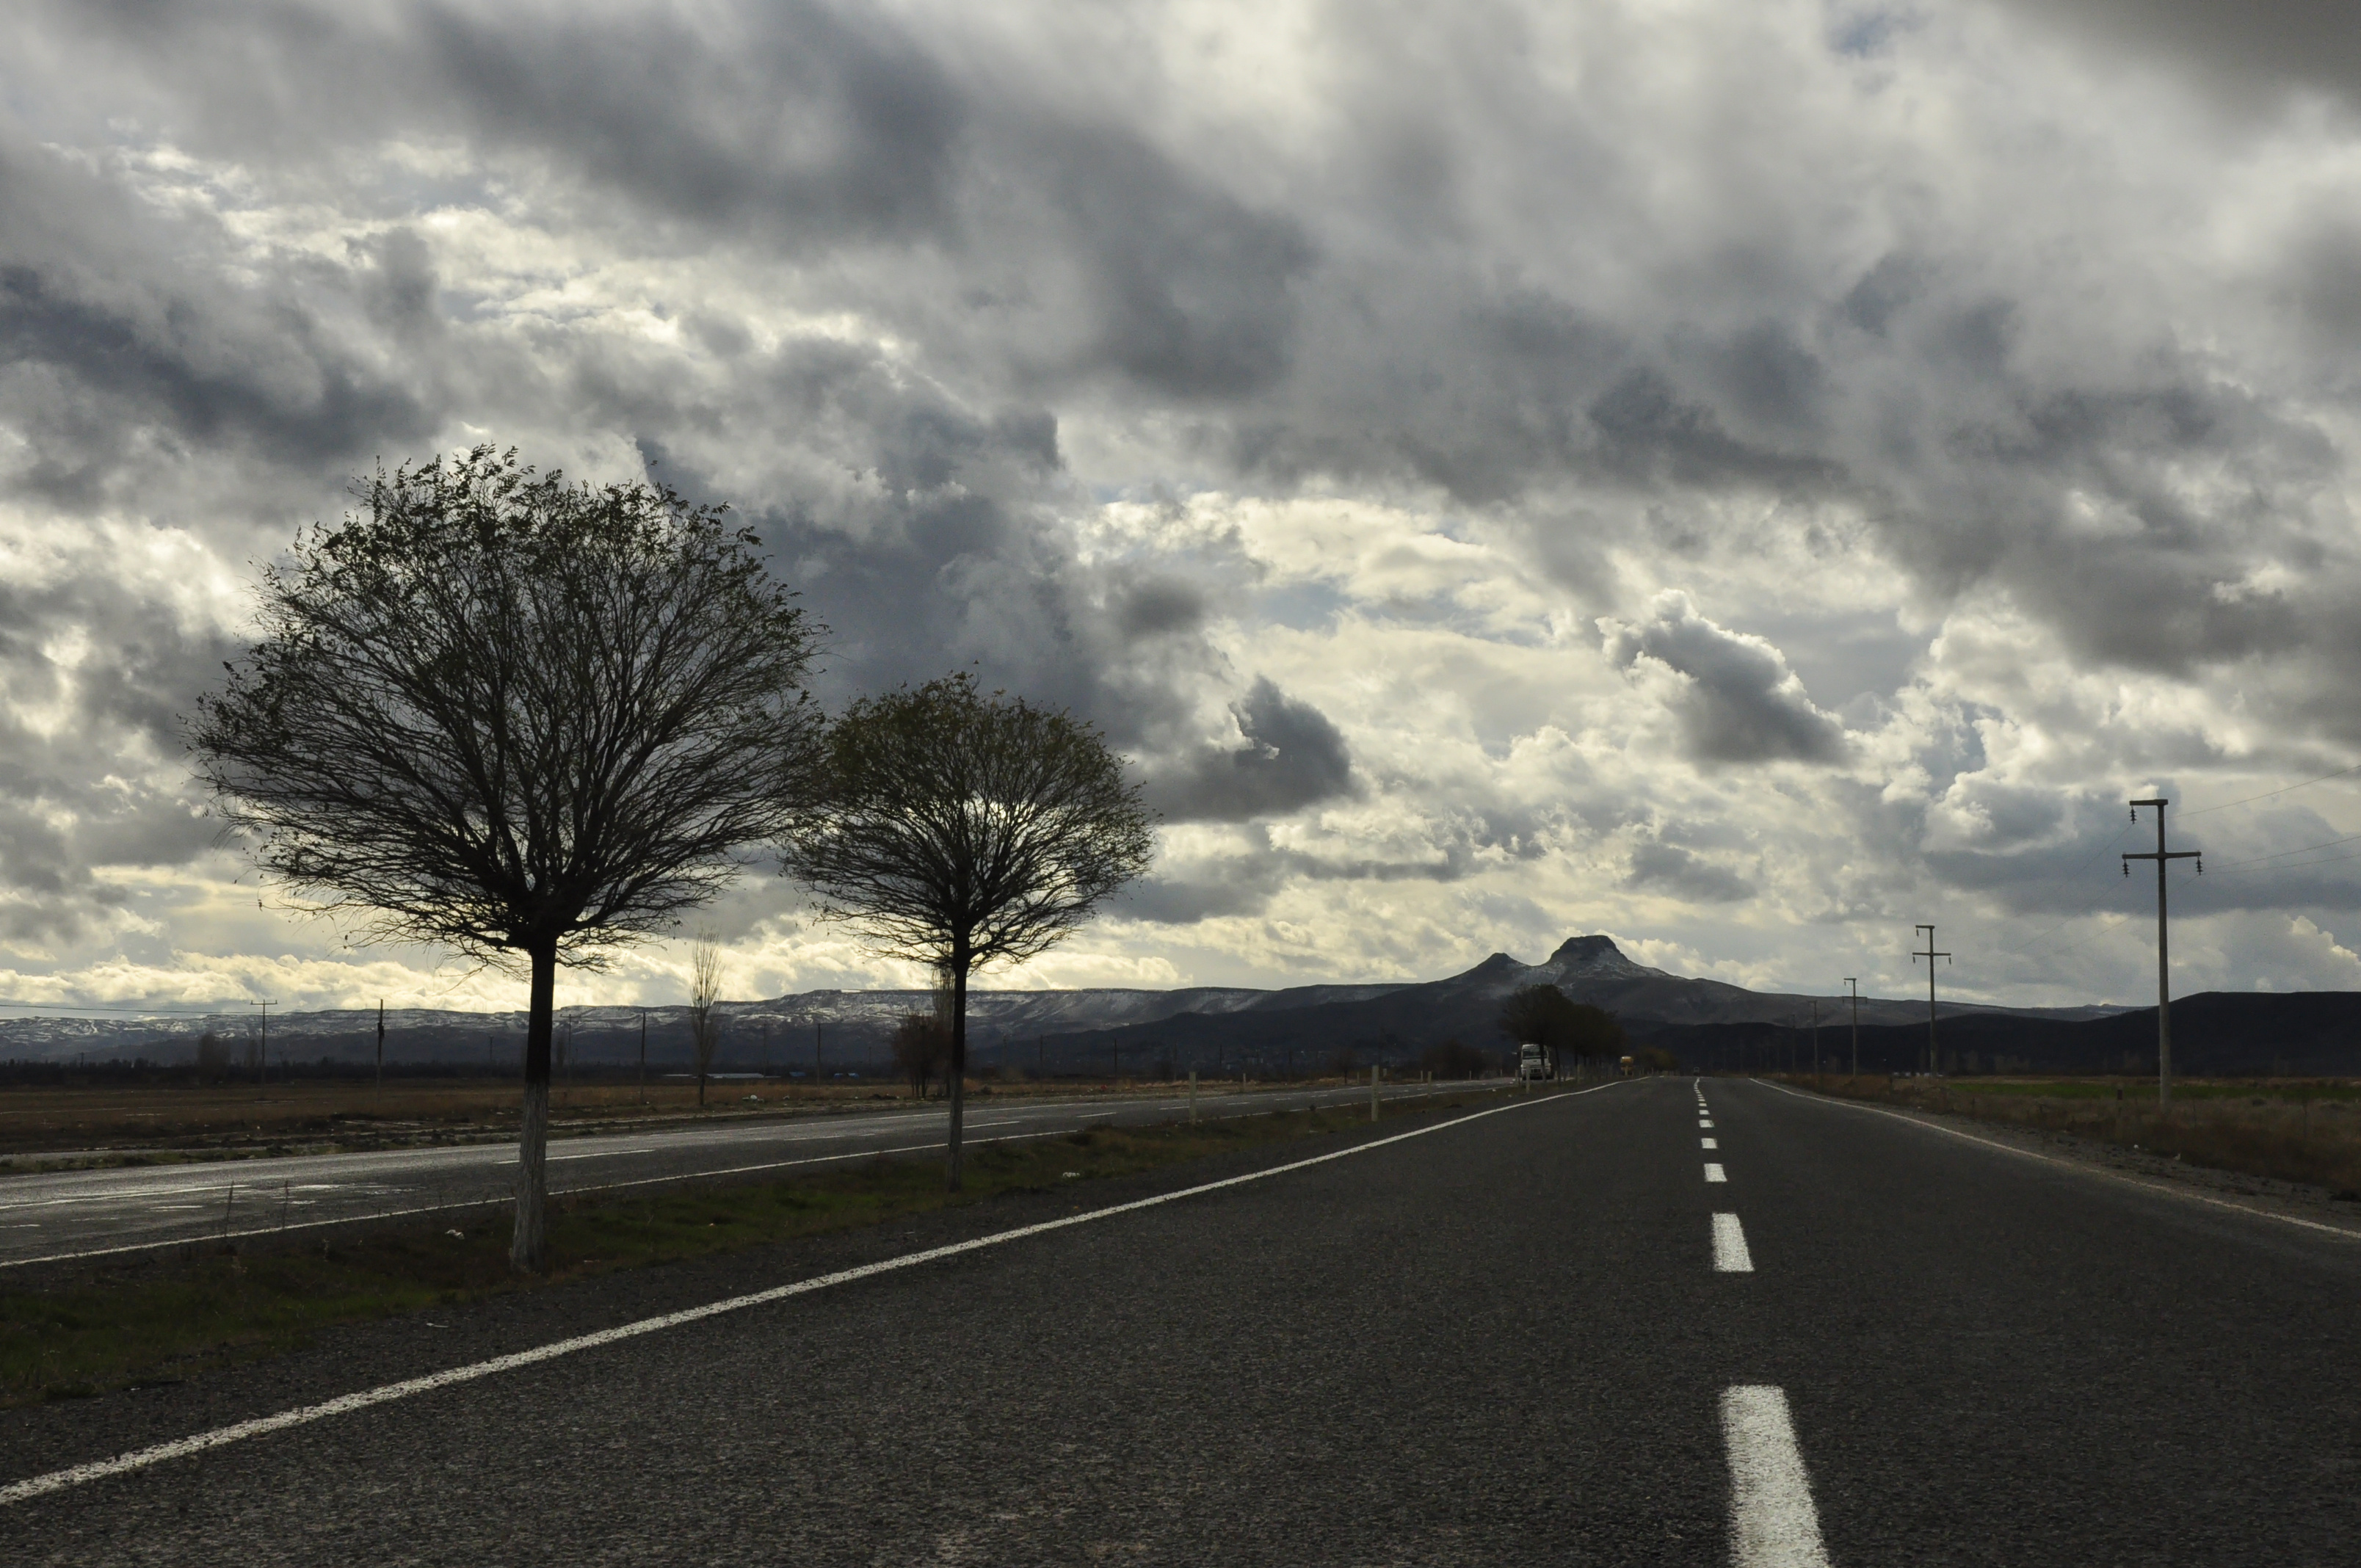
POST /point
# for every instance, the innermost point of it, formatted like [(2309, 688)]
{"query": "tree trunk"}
[(528, 1250), (956, 1174)]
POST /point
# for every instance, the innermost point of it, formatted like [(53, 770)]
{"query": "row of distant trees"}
[(1544, 1015), (531, 720), (217, 1056)]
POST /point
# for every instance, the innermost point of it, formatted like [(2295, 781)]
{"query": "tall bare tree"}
[(521, 717), (704, 990), (963, 829)]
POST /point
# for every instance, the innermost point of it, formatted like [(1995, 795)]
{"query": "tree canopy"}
[(964, 827), (516, 715)]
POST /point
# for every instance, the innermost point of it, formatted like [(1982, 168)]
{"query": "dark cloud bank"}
[(1352, 319)]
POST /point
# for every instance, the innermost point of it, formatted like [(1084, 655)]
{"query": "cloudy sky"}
[(1745, 475)]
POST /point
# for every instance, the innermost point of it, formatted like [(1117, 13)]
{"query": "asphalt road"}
[(74, 1213), (1503, 1340)]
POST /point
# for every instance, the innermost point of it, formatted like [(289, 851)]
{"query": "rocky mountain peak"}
[(1595, 954)]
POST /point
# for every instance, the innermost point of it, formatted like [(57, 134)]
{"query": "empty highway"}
[(1653, 1323), (45, 1216)]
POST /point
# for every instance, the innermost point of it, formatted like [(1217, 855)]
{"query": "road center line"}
[(1729, 1253), (139, 1459), (1708, 1143), (1773, 1523), (1713, 1172)]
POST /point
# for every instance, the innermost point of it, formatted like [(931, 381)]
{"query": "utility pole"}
[(1815, 1040), (380, 1046), (1855, 987), (2163, 954), (1930, 955), (643, 1056), (819, 1074), (262, 1063)]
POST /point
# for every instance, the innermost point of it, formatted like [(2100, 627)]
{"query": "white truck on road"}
[(1533, 1064)]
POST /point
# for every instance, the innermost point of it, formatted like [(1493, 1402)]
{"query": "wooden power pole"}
[(2163, 953), (1854, 985), (1930, 955)]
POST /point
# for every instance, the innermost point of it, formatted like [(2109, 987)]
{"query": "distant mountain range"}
[(1056, 1031)]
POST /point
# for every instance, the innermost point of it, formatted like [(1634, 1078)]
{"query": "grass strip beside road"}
[(147, 1321), (2308, 1133)]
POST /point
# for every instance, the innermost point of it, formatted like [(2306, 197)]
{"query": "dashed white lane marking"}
[(1708, 1143), (141, 1458), (1729, 1253), (1773, 1523), (1713, 1172), (1705, 1121)]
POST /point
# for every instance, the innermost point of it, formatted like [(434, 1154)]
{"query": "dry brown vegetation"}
[(139, 1121), (343, 1113), (2291, 1131)]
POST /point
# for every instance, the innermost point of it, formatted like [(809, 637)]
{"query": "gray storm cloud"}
[(1736, 699), (918, 296), (1291, 756)]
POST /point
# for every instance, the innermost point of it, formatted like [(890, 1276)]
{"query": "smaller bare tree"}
[(963, 829), (704, 990)]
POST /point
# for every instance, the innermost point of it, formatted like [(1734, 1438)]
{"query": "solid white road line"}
[(139, 1459), (1771, 1521), (495, 1199), (1708, 1143), (1713, 1173), (1729, 1253)]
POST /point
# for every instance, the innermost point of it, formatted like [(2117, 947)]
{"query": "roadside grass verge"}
[(168, 1121), (149, 1321), (2304, 1132)]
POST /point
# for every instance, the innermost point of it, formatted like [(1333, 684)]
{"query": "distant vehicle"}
[(1627, 1066), (1533, 1065)]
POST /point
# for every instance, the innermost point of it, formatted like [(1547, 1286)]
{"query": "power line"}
[(2269, 794), (2117, 924), (2092, 904), (141, 1012), (2283, 854)]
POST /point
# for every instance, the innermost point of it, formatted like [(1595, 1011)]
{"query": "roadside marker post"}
[(1193, 1094), (1373, 1093), (1854, 985)]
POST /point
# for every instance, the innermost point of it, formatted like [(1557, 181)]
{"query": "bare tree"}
[(518, 717), (704, 990), (922, 1047), (963, 829)]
